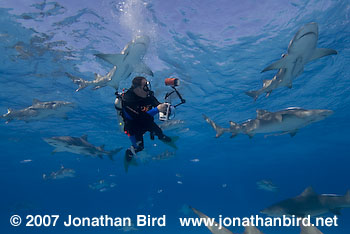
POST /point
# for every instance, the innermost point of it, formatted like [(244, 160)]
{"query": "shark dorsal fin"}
[(260, 113), (309, 191), (84, 137), (36, 101), (321, 52), (9, 110), (97, 76), (102, 146)]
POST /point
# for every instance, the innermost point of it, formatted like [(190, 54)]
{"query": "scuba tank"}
[(119, 107)]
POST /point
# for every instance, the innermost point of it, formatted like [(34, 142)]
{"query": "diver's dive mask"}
[(147, 87)]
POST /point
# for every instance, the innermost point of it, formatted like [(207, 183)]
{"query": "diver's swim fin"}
[(129, 160), (172, 142)]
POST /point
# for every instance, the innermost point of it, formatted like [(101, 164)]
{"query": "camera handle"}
[(178, 94)]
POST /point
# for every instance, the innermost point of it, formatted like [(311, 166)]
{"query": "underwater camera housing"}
[(172, 82)]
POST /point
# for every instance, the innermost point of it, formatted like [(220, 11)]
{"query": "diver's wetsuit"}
[(138, 118)]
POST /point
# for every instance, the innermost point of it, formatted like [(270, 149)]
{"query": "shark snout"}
[(142, 40), (325, 113), (310, 28)]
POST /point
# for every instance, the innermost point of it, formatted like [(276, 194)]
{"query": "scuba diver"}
[(138, 108)]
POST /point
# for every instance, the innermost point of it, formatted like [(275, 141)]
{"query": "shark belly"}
[(284, 126), (121, 74)]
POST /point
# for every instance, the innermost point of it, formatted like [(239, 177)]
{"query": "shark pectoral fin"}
[(114, 59), (84, 137), (279, 64), (290, 85), (292, 133), (233, 135), (100, 156), (253, 94), (321, 52), (336, 211), (250, 135), (268, 94), (143, 68)]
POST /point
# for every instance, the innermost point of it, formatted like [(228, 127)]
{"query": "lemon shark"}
[(301, 50), (79, 145), (287, 121), (129, 60), (39, 110), (98, 82), (309, 203)]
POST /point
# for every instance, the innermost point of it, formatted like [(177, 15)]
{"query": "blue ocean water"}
[(217, 49)]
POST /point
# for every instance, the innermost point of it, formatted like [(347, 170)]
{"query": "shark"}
[(309, 203), (39, 110), (97, 83), (302, 49), (266, 185), (79, 145), (287, 121), (102, 186), (60, 174), (129, 60)]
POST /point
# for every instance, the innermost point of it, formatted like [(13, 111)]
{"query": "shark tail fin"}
[(114, 152), (44, 176), (219, 130), (79, 81), (253, 94)]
